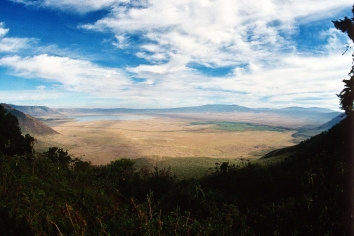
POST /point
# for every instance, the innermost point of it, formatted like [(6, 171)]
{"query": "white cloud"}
[(72, 5), (214, 33), (9, 44), (121, 41), (253, 38), (298, 81), (74, 75), (3, 31), (176, 63), (336, 40), (41, 87), (26, 96)]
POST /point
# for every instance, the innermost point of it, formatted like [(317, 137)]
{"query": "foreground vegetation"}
[(307, 193)]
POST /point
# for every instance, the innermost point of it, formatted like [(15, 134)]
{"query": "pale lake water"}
[(110, 117)]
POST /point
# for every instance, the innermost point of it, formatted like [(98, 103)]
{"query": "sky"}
[(169, 53)]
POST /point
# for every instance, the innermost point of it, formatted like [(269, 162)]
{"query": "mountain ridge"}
[(43, 110), (313, 116), (28, 123)]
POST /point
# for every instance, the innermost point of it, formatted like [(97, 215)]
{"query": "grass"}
[(163, 137), (185, 167), (273, 160), (197, 167), (238, 126)]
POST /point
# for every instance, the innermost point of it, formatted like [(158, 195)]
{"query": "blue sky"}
[(158, 53)]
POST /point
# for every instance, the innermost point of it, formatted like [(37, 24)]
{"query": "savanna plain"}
[(188, 143)]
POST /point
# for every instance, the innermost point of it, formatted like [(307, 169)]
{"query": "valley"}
[(211, 132), (102, 141)]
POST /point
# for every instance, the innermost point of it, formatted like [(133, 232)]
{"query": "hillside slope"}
[(307, 133), (337, 134), (306, 189), (30, 124), (328, 158), (37, 111)]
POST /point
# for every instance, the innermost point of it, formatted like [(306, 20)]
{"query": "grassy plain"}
[(238, 126), (189, 148)]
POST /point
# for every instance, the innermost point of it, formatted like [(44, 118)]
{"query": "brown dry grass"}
[(103, 141)]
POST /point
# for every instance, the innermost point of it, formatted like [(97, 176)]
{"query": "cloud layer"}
[(212, 33), (183, 44), (70, 74), (9, 44), (70, 5)]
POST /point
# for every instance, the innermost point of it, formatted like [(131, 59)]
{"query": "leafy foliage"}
[(58, 155), (346, 25), (346, 96), (11, 140)]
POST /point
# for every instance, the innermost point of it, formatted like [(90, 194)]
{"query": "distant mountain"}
[(40, 111), (338, 138), (307, 133), (301, 111), (29, 124), (37, 111), (311, 109), (205, 108), (193, 109), (313, 116), (236, 108), (331, 123)]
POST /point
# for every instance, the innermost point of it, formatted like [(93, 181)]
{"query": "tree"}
[(58, 155), (346, 96), (11, 140)]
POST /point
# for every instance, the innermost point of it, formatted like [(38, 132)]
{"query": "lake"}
[(85, 118)]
